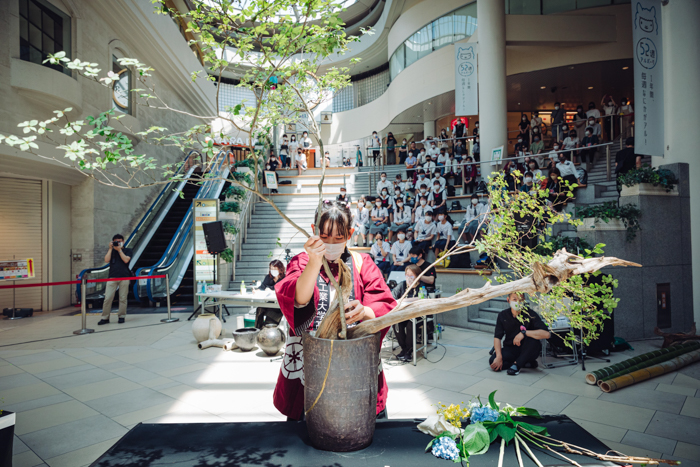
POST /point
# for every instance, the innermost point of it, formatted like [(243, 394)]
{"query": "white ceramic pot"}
[(200, 326), (590, 224)]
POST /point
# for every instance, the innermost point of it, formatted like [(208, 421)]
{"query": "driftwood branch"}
[(543, 278)]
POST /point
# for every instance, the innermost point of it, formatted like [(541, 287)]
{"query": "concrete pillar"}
[(429, 129), (681, 36), (493, 125)]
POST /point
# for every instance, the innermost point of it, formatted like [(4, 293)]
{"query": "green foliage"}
[(227, 255), (557, 242), (229, 228), (627, 213), (232, 206), (243, 177), (234, 192), (647, 174)]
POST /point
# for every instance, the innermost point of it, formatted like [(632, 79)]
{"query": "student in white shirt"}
[(442, 160), (402, 218), (422, 207), (300, 160), (422, 157), (380, 253), (444, 234), (398, 196), (378, 220), (592, 112), (383, 183), (567, 169), (433, 149), (425, 232), (438, 198), (400, 252), (293, 146), (442, 180), (474, 219), (571, 142), (398, 183), (360, 222), (431, 165), (305, 142)]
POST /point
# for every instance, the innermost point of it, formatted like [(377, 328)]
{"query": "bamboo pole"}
[(650, 372)]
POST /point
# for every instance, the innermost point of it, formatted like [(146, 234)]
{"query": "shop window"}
[(43, 29)]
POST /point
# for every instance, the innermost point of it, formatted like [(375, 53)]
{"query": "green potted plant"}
[(648, 181), (229, 211), (230, 230), (609, 216), (7, 435), (233, 193)]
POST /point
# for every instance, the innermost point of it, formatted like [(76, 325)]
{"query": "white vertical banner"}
[(466, 81), (648, 78)]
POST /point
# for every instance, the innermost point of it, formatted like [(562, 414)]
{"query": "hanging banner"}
[(466, 81), (648, 78)]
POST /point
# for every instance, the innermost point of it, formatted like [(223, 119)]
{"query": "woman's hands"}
[(356, 311), (315, 248)]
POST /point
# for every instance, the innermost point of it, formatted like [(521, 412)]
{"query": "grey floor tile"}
[(64, 371), (646, 398), (129, 401), (36, 403), (81, 378), (17, 381), (35, 357), (167, 363), (135, 374), (446, 380), (550, 401), (18, 446), (647, 441), (71, 436), (678, 427)]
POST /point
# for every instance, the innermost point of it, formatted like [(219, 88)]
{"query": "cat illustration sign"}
[(466, 80)]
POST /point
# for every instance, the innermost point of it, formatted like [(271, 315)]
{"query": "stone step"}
[(484, 321)]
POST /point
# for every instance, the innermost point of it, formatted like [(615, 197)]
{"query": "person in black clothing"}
[(626, 159), (416, 256), (343, 196), (404, 330), (265, 316), (522, 329), (118, 258), (272, 164)]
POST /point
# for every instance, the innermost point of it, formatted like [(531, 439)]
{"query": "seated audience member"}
[(272, 164), (433, 150), (534, 168), (398, 183), (380, 253), (521, 146), (404, 330), (265, 316), (343, 196), (383, 184), (431, 165), (626, 159), (567, 169), (438, 198), (588, 155), (459, 148), (444, 234), (537, 146), (451, 168), (424, 232), (571, 142), (379, 216), (422, 156), (474, 219), (597, 131), (557, 192), (402, 218), (441, 179), (528, 183), (419, 211), (470, 175), (417, 257), (400, 251), (360, 222), (521, 345), (385, 199), (476, 150)]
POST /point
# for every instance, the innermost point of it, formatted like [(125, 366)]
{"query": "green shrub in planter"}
[(628, 214), (229, 228), (227, 255), (232, 206), (234, 192), (646, 174)]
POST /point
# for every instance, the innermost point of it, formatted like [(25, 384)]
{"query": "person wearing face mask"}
[(417, 256), (522, 329), (410, 164), (442, 159), (379, 216), (118, 258), (425, 232), (476, 150), (520, 147), (284, 151), (557, 194), (474, 221), (403, 152), (528, 183), (272, 164), (558, 116), (444, 139), (588, 155), (567, 170), (400, 251), (375, 143), (595, 127), (571, 142), (592, 112), (383, 184), (300, 160), (399, 183), (451, 168), (626, 111), (293, 146), (438, 198), (469, 175), (419, 211), (430, 165), (553, 156), (459, 129), (524, 130), (265, 316), (475, 131), (402, 217), (433, 149), (444, 235), (610, 109), (305, 296), (391, 149), (580, 119), (404, 330), (422, 156), (536, 123), (380, 252), (458, 148), (343, 197), (360, 221), (305, 144), (358, 156), (534, 169), (537, 145)]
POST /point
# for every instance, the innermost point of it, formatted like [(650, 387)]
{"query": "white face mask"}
[(441, 217), (361, 204), (556, 107), (399, 205), (422, 202), (520, 140), (436, 188), (556, 148), (274, 272), (333, 250), (528, 179), (402, 236), (397, 193), (383, 178), (379, 205), (516, 306), (422, 190), (384, 192), (476, 126), (428, 219), (475, 202), (267, 167)]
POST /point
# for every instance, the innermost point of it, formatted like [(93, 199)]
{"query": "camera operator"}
[(118, 258)]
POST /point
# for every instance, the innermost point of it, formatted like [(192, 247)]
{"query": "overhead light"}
[(430, 103), (590, 87), (571, 68), (625, 68), (543, 87)]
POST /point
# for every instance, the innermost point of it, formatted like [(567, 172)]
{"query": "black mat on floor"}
[(397, 443)]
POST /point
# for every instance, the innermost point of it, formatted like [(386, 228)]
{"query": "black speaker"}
[(214, 236)]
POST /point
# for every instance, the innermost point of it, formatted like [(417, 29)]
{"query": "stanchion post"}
[(607, 161), (83, 308), (169, 319)]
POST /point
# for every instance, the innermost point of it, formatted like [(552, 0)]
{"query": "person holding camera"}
[(118, 258)]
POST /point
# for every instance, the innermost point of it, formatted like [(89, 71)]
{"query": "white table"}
[(266, 299)]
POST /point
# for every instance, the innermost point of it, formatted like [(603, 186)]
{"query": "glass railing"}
[(178, 254), (142, 233), (548, 7)]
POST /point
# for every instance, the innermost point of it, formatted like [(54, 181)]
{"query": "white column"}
[(681, 36), (429, 128), (493, 123)]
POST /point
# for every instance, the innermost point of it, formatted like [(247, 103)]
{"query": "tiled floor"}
[(75, 396)]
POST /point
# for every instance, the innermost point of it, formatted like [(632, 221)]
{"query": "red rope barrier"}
[(50, 284)]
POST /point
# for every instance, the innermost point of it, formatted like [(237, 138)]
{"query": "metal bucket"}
[(342, 418)]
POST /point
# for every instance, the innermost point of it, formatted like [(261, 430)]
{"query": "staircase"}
[(306, 185), (483, 317)]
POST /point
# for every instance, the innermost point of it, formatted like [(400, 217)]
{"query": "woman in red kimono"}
[(305, 294)]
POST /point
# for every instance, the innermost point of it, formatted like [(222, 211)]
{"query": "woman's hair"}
[(294, 136), (334, 213), (533, 161), (415, 269), (275, 263), (555, 171)]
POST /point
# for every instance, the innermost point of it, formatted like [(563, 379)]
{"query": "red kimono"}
[(369, 288)]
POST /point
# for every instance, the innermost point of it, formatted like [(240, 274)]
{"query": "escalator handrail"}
[(138, 226), (178, 251)]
